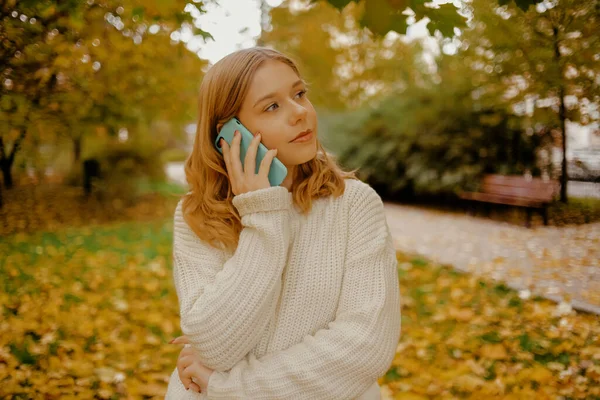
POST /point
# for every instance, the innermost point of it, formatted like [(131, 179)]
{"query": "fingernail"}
[(236, 133)]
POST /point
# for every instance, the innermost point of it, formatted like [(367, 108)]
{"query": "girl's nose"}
[(299, 112)]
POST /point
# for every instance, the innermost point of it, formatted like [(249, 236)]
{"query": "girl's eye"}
[(299, 94), (272, 105)]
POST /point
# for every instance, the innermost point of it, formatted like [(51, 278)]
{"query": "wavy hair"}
[(208, 207)]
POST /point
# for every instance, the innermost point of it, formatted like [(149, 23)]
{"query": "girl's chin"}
[(301, 157)]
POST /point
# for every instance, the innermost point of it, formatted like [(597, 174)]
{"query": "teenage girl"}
[(289, 291)]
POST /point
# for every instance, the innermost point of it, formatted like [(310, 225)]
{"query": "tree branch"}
[(16, 145), (2, 155)]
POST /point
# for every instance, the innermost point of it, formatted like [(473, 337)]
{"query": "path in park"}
[(559, 263)]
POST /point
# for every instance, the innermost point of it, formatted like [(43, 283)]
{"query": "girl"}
[(285, 292)]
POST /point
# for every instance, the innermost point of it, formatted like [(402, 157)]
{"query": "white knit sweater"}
[(307, 307)]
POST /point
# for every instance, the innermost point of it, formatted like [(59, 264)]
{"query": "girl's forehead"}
[(273, 73)]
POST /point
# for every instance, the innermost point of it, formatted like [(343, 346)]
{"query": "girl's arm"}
[(225, 308), (344, 360)]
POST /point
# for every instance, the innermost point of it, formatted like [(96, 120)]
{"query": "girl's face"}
[(276, 106)]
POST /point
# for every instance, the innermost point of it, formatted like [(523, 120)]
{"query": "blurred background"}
[(447, 109)]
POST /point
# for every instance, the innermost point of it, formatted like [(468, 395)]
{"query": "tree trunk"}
[(76, 150), (564, 178), (6, 166), (6, 161), (264, 21)]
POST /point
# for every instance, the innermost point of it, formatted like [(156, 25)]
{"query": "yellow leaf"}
[(541, 374), (562, 347), (468, 383), (495, 351), (409, 396), (538, 373), (593, 373), (462, 314)]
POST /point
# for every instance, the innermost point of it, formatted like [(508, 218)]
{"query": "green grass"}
[(161, 187)]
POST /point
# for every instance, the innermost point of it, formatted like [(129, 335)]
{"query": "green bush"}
[(122, 166), (576, 211), (421, 143)]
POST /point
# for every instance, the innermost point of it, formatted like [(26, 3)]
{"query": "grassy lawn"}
[(86, 312)]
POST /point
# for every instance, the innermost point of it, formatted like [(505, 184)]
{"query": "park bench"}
[(515, 190)]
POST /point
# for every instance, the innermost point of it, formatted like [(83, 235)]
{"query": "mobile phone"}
[(277, 172)]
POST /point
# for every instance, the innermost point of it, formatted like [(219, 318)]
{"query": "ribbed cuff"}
[(267, 199)]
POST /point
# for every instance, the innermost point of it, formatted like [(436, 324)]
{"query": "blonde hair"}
[(208, 208)]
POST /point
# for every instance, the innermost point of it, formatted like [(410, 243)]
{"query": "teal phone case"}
[(277, 172)]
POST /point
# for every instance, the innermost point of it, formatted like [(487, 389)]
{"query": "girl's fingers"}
[(187, 382), (224, 148), (184, 378), (188, 373), (182, 364), (180, 340), (237, 171), (185, 361), (265, 164), (250, 161), (227, 156), (195, 387), (192, 371)]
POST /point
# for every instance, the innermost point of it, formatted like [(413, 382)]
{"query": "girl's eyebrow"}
[(298, 82)]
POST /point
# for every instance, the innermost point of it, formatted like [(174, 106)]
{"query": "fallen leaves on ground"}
[(52, 207), (86, 313), (464, 337)]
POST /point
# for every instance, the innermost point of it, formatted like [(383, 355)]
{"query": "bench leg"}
[(487, 207), (471, 208), (467, 207), (528, 220), (545, 215)]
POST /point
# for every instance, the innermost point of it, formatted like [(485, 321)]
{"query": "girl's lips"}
[(303, 138)]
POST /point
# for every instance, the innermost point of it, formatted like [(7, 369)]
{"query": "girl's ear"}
[(219, 126)]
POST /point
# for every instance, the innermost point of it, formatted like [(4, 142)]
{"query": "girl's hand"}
[(244, 180), (192, 373)]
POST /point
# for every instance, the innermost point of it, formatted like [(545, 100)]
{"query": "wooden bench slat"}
[(514, 190), (514, 179), (529, 193), (500, 199)]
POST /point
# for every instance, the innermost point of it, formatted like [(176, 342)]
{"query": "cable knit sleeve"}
[(345, 359), (226, 305)]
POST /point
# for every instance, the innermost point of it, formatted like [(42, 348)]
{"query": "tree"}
[(434, 138), (306, 37), (547, 55), (346, 64), (382, 16), (51, 57)]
